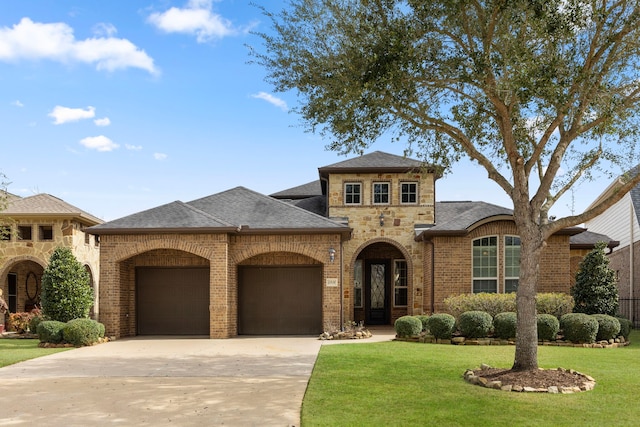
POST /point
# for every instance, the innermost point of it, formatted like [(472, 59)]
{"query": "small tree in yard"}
[(595, 291), (540, 93), (66, 290)]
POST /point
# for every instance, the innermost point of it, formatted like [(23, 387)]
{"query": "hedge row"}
[(576, 327), (556, 304), (79, 332)]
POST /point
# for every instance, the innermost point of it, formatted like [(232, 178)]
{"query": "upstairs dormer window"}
[(352, 193), (380, 193), (409, 193)]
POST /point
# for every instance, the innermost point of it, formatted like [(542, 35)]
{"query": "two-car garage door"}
[(279, 300), (271, 300)]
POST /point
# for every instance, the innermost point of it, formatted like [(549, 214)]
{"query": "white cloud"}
[(133, 147), (159, 156), (30, 40), (17, 103), (105, 121), (65, 114), (280, 103), (104, 29), (196, 18), (99, 143)]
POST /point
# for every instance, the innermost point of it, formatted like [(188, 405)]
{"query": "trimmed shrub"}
[(548, 327), (408, 326), (595, 291), (490, 303), (554, 303), (504, 325), (81, 332), (442, 325), (625, 326), (424, 319), (579, 327), (475, 324), (50, 331), (608, 327), (66, 292), (35, 321)]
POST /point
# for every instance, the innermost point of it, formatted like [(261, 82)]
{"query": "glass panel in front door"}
[(377, 286)]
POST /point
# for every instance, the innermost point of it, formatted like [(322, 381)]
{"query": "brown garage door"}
[(172, 301), (279, 300)]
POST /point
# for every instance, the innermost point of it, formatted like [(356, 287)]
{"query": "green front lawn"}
[(16, 350), (411, 384)]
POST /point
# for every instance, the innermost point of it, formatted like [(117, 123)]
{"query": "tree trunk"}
[(531, 244)]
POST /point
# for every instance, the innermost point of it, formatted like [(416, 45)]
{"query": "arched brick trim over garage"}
[(311, 250), (117, 273), (394, 313)]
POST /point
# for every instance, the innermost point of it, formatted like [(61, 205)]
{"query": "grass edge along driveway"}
[(14, 350), (413, 384)]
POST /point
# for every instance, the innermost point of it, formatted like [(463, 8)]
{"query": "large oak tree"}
[(541, 93)]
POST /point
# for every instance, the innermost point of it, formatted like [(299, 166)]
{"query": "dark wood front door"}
[(377, 279)]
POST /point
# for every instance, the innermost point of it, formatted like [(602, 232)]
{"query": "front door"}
[(377, 292)]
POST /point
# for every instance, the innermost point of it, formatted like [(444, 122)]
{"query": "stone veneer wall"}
[(223, 253), (398, 229), (455, 277), (15, 255)]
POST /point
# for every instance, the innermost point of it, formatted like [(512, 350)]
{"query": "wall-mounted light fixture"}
[(381, 217), (332, 254)]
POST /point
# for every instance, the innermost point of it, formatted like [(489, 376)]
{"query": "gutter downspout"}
[(631, 259), (433, 274), (341, 285)]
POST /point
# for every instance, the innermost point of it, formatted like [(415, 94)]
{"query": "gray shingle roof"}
[(244, 207), (227, 211), (457, 217), (172, 216), (588, 239), (377, 160), (309, 189), (46, 204)]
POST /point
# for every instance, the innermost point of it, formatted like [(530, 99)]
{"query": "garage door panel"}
[(172, 301), (280, 300)]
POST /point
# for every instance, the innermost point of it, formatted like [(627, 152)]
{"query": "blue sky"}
[(117, 107)]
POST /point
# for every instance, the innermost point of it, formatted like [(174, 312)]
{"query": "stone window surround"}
[(373, 192), (353, 193), (416, 193)]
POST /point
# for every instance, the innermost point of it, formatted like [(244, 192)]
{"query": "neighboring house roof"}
[(303, 191), (236, 210), (615, 185), (41, 205), (588, 240), (377, 161)]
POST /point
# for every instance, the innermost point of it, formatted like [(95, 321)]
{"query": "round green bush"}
[(504, 325), (625, 326), (35, 321), (608, 327), (579, 327), (50, 331), (408, 326), (425, 322), (81, 332), (475, 324), (442, 325), (548, 327)]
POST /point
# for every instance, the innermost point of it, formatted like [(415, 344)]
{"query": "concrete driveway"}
[(159, 381)]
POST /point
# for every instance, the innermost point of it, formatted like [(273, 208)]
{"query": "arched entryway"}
[(22, 287), (381, 294)]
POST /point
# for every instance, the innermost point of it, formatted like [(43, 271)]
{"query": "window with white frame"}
[(408, 193), (485, 265), (357, 284), (511, 263), (381, 193), (352, 193), (400, 294)]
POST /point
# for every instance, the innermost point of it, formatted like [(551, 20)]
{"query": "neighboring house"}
[(622, 222), (365, 242), (35, 226)]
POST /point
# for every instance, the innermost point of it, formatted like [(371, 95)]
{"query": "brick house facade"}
[(365, 242)]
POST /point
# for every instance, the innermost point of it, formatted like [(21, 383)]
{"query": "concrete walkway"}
[(159, 381)]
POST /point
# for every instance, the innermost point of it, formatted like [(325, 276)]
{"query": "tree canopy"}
[(541, 93)]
